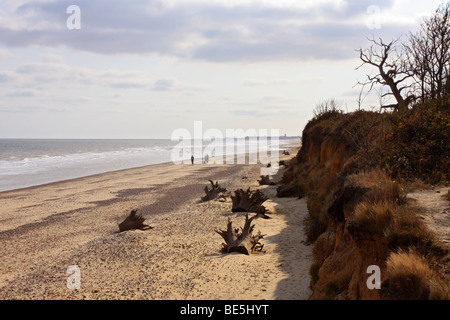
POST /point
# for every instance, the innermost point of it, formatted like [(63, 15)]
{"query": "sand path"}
[(435, 211), (46, 229)]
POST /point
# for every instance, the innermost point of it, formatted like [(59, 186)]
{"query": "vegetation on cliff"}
[(354, 169)]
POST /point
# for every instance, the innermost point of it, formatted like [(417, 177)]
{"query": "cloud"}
[(164, 85), (269, 113), (22, 94), (253, 83), (7, 77), (52, 58), (219, 31)]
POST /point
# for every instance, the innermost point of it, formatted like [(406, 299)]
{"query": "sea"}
[(32, 162)]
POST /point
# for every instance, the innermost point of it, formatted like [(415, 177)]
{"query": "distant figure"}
[(192, 159), (206, 159)]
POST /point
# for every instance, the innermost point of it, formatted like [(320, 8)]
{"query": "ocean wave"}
[(19, 170)]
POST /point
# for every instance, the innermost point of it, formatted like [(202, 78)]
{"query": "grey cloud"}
[(164, 85), (6, 77), (209, 32), (19, 109), (250, 113), (273, 111), (21, 94), (128, 85)]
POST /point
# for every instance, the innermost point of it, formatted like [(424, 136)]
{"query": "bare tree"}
[(428, 53), (391, 72)]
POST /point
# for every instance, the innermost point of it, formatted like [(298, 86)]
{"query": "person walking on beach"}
[(192, 159), (206, 159)]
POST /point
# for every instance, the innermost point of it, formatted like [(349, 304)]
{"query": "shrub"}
[(327, 108), (408, 276), (417, 144), (373, 218)]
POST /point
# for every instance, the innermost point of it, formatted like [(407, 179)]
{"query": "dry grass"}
[(374, 217), (408, 276), (407, 229), (380, 187), (398, 225)]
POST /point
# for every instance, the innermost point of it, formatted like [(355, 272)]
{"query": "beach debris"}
[(289, 190), (281, 163), (265, 180), (262, 212), (216, 191), (242, 241), (286, 153), (247, 201), (133, 221)]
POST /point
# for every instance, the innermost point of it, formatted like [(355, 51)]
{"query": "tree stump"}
[(247, 201), (265, 180), (133, 221), (214, 192), (244, 242)]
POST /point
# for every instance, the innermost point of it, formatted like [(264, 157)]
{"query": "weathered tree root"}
[(265, 180), (214, 192), (247, 201), (244, 242), (133, 221)]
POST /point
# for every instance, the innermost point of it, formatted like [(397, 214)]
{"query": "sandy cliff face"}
[(353, 206)]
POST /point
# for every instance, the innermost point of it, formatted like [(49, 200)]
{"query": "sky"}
[(141, 69)]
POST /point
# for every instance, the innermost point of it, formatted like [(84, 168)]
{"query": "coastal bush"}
[(327, 108), (373, 218), (417, 144), (408, 276)]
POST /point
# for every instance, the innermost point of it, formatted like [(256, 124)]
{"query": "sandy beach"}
[(46, 229)]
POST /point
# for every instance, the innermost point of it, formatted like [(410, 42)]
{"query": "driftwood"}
[(244, 242), (262, 212), (133, 221), (247, 201), (265, 180), (214, 192)]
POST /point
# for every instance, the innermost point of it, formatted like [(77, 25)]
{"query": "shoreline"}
[(45, 229), (83, 177), (287, 146)]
